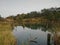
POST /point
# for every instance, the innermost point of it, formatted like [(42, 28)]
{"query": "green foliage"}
[(50, 14)]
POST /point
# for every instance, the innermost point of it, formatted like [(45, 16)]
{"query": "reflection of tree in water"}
[(43, 26)]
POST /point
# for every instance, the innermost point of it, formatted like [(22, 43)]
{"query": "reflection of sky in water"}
[(24, 35)]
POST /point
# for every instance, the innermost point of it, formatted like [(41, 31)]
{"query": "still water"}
[(28, 36)]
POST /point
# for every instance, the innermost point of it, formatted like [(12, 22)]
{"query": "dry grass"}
[(6, 37)]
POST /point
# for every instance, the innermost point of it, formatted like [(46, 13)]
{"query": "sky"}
[(14, 7)]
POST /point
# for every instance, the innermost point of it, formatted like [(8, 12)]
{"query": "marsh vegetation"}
[(48, 19)]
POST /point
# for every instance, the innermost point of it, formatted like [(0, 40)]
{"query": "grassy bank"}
[(6, 37)]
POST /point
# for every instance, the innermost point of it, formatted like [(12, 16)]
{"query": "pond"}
[(28, 36)]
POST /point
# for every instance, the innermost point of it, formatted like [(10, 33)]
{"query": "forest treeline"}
[(47, 17), (50, 14)]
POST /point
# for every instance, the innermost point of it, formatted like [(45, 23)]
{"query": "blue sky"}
[(14, 7)]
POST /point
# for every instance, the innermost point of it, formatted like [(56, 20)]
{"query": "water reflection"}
[(28, 36), (32, 26)]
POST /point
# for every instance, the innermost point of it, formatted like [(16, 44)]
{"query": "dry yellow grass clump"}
[(6, 36)]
